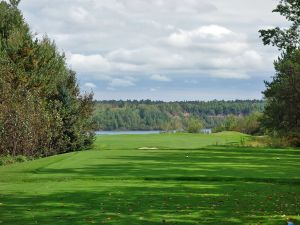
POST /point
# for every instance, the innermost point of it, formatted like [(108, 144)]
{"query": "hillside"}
[(157, 115)]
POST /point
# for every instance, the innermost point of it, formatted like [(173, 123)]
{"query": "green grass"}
[(188, 179)]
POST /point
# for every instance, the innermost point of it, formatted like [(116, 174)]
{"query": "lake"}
[(205, 131), (126, 132)]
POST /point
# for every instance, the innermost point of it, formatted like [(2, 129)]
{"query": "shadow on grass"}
[(226, 165), (221, 186), (227, 179), (170, 204)]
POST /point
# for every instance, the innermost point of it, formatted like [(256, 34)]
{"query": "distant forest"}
[(158, 115)]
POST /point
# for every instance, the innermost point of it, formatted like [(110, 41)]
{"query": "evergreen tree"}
[(282, 112), (41, 109), (287, 39)]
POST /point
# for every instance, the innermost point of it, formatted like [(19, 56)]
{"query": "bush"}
[(194, 125), (282, 142), (21, 158), (6, 160)]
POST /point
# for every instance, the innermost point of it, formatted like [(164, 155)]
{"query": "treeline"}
[(158, 115), (41, 109)]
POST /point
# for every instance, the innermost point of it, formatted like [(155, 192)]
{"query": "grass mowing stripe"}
[(185, 183)]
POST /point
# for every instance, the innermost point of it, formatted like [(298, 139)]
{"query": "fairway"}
[(155, 179)]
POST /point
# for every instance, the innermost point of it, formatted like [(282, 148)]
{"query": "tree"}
[(194, 125), (172, 124), (282, 112), (287, 39), (249, 124), (230, 123), (42, 111)]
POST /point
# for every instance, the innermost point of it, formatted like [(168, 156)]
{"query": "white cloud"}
[(163, 6), (211, 31), (158, 77), (117, 82), (89, 85), (88, 63), (79, 14), (228, 74), (208, 57), (179, 39), (185, 38), (109, 40), (215, 53)]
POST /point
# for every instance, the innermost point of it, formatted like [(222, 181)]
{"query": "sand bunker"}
[(148, 148)]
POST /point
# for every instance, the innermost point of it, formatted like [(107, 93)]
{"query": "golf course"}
[(157, 112), (155, 179)]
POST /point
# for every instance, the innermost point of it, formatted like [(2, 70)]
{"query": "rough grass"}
[(181, 182), (6, 160)]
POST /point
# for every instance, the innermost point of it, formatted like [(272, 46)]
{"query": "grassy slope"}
[(185, 183)]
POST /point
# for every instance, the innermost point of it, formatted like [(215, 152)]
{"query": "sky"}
[(161, 49)]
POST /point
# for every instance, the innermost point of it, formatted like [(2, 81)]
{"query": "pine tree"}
[(282, 112)]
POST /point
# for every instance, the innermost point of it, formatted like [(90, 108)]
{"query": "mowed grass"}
[(188, 179)]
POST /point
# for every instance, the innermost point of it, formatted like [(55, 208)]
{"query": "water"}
[(126, 132), (205, 131)]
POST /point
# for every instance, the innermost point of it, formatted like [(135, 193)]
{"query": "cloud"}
[(184, 38), (89, 85), (158, 77), (108, 41), (88, 63), (229, 74), (208, 50), (79, 14), (178, 6), (117, 82), (169, 37)]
